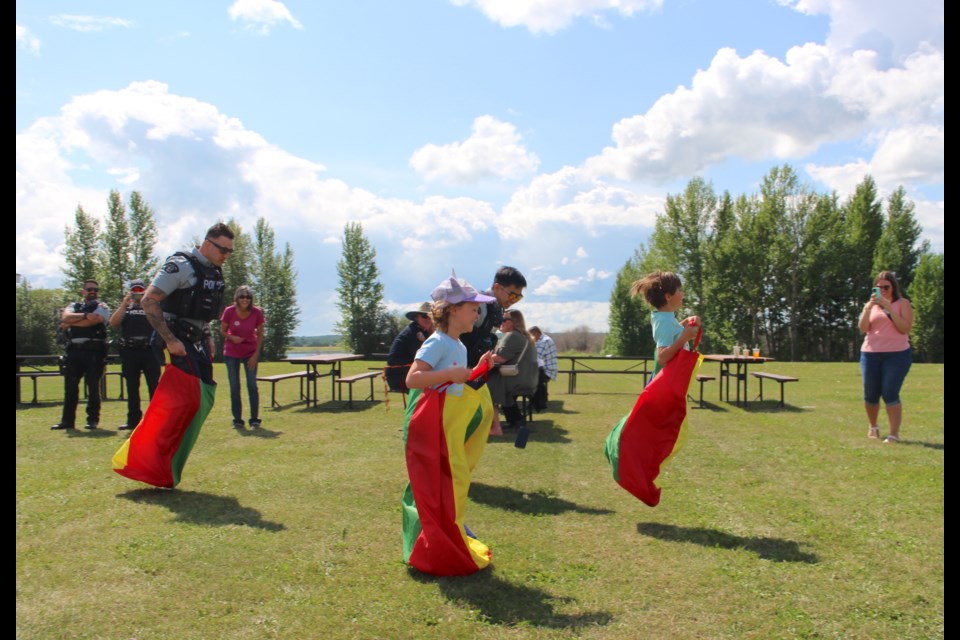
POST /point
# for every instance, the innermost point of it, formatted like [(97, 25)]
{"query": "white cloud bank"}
[(551, 16), (262, 15), (494, 150), (89, 24)]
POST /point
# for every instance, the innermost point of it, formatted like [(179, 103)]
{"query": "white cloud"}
[(555, 285), (571, 197), (89, 23), (551, 16), (893, 29), (493, 151), (27, 40), (759, 108), (193, 163), (581, 252), (563, 316), (262, 15)]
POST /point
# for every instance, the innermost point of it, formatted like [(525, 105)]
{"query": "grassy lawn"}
[(773, 524)]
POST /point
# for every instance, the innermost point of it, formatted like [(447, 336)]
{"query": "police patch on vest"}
[(171, 267)]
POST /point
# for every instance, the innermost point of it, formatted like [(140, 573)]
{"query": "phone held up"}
[(876, 292)]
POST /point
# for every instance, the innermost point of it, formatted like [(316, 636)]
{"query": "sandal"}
[(891, 439), (874, 432)]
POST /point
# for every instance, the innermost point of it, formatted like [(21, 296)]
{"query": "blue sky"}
[(463, 134)]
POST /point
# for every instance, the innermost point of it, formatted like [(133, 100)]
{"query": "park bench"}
[(701, 378), (573, 373), (776, 377), (303, 376), (350, 380)]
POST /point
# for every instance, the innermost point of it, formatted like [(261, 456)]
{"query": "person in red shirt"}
[(241, 326)]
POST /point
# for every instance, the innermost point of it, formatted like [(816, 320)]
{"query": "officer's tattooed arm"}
[(154, 313)]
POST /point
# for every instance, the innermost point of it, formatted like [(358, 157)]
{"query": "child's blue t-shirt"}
[(440, 351), (666, 330)]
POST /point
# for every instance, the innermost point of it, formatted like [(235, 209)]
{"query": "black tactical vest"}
[(136, 329), (95, 332), (202, 301)]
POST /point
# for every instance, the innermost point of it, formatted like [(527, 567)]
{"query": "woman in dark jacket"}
[(405, 346), (516, 347)]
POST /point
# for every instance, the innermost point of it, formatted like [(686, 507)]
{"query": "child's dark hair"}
[(656, 286)]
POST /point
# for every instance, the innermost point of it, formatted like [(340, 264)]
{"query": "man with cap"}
[(85, 325), (405, 346), (136, 356), (507, 289)]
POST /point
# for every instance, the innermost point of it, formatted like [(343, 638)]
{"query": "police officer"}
[(136, 357), (184, 297), (85, 326)]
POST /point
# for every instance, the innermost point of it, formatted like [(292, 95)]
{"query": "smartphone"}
[(876, 292)]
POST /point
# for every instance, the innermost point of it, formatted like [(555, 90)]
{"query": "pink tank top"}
[(883, 336)]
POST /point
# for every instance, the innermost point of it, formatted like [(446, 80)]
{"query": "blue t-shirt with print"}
[(440, 351)]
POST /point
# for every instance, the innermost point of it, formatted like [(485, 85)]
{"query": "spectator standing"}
[(85, 325), (136, 357), (404, 349), (885, 356), (241, 326)]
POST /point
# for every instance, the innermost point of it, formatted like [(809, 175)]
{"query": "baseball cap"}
[(455, 290)]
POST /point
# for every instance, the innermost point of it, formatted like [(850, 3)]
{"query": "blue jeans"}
[(233, 377), (883, 374)]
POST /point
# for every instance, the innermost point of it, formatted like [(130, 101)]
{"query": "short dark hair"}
[(88, 280), (219, 230), (507, 276)]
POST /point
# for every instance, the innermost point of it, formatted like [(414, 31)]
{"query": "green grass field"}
[(773, 524)]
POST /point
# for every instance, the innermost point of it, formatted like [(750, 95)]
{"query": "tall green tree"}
[(37, 317), (899, 247), (629, 319), (361, 293), (274, 281), (115, 248), (927, 298), (81, 251), (143, 238)]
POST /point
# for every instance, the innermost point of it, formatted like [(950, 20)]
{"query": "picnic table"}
[(333, 360), (739, 375), (586, 367), (34, 367)]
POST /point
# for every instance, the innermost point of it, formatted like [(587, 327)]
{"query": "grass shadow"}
[(499, 602), (535, 503), (266, 434), (938, 446), (556, 406), (707, 406), (772, 406), (545, 431), (202, 508), (774, 549), (39, 404), (81, 432)]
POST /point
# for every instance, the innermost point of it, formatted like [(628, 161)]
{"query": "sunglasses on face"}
[(514, 296), (885, 287), (244, 297), (92, 289), (224, 250)]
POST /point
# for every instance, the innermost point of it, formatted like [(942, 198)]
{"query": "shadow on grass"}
[(202, 508), (707, 406), (556, 406), (504, 603), (80, 432), (920, 443), (537, 503), (266, 434), (546, 431), (40, 404), (767, 548)]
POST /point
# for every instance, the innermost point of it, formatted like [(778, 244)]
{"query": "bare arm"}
[(665, 354), (252, 361), (117, 316), (151, 308), (902, 319), (422, 375), (864, 322)]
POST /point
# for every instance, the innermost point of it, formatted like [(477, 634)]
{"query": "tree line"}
[(124, 250), (787, 269)]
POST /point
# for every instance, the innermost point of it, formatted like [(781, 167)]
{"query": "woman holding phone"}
[(885, 355)]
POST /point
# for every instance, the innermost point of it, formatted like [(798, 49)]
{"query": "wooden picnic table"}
[(334, 360), (35, 368), (740, 375), (586, 367)]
